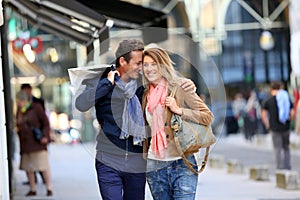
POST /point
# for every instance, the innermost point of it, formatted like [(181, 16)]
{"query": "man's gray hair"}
[(129, 45)]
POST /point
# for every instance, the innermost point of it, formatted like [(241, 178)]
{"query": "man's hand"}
[(111, 76), (187, 85)]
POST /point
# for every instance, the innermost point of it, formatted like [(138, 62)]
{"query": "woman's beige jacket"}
[(193, 109)]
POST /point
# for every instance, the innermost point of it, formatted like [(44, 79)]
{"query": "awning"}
[(69, 19), (128, 15), (83, 21)]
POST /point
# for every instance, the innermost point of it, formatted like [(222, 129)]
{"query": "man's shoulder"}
[(269, 100)]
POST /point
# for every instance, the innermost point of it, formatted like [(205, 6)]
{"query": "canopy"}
[(84, 21)]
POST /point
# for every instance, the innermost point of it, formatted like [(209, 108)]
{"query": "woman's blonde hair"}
[(164, 65)]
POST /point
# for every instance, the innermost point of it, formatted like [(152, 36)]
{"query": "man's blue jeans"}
[(118, 185), (172, 180)]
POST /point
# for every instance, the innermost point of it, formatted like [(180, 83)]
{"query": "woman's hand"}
[(171, 103), (44, 140), (111, 76)]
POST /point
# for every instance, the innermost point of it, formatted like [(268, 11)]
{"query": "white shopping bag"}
[(79, 75)]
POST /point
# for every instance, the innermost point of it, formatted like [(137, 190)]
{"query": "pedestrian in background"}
[(238, 109), (279, 129), (251, 116), (26, 87), (167, 174), (297, 118), (297, 110), (34, 154)]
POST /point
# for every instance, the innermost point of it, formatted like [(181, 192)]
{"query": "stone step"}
[(216, 161), (235, 167), (259, 173), (287, 179)]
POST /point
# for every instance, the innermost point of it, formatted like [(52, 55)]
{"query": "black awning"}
[(84, 21), (128, 12), (68, 22), (77, 10)]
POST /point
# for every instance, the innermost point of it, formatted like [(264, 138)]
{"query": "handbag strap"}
[(187, 163)]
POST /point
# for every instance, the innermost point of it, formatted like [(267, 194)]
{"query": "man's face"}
[(134, 66)]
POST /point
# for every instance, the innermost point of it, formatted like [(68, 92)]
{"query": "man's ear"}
[(122, 61)]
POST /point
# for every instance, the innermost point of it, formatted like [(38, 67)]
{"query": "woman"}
[(34, 155), (167, 175), (251, 117)]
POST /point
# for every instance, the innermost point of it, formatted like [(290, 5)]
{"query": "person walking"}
[(26, 87), (280, 129), (117, 96), (34, 155), (238, 109), (251, 116), (167, 174)]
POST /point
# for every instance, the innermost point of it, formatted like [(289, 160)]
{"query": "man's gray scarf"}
[(132, 119)]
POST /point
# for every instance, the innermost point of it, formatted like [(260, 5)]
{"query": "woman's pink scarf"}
[(156, 102)]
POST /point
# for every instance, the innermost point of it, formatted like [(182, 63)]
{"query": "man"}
[(119, 162), (28, 90), (280, 130)]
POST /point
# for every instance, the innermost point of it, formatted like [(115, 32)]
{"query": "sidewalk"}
[(261, 141), (74, 178), (216, 184), (219, 185)]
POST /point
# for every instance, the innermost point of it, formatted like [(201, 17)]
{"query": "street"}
[(74, 177)]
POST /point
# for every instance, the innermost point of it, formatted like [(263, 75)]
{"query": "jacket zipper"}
[(126, 151)]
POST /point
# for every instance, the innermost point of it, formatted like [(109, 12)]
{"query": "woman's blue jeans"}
[(172, 180)]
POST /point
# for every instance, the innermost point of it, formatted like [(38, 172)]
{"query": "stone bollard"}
[(216, 161), (234, 167), (259, 173), (287, 179)]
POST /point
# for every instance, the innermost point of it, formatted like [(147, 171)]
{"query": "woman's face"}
[(21, 103), (150, 70)]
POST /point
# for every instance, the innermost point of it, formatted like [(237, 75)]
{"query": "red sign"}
[(35, 43)]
